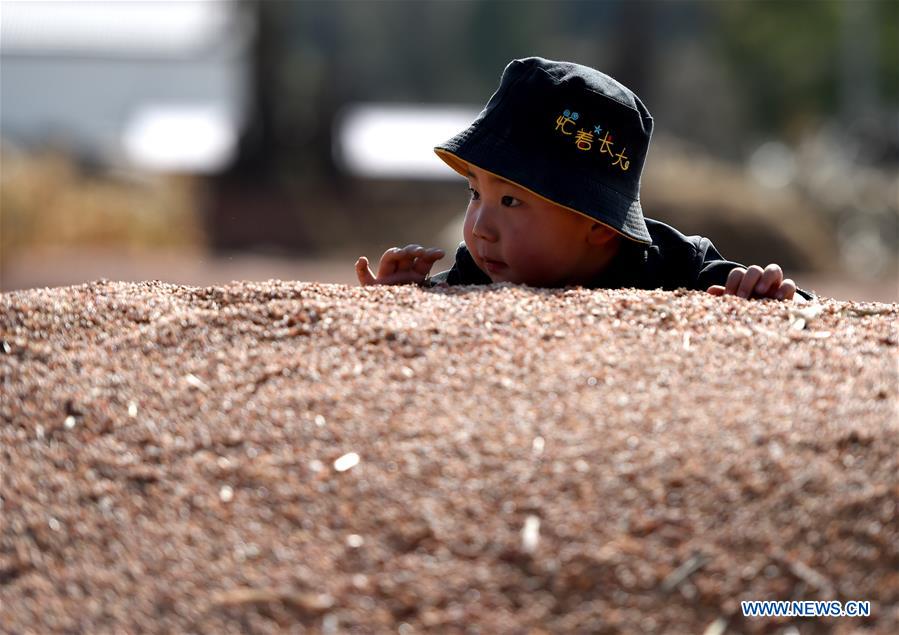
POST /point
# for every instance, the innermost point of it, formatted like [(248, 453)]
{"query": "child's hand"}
[(412, 263), (755, 283)]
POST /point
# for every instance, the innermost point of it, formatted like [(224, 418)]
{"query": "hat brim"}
[(486, 151)]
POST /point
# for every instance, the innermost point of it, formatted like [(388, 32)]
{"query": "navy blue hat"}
[(567, 133)]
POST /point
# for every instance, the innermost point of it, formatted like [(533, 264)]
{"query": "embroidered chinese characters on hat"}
[(585, 138), (568, 133)]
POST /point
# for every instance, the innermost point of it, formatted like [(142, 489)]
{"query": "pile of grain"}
[(279, 456)]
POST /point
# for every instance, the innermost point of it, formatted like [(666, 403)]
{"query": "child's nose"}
[(485, 226)]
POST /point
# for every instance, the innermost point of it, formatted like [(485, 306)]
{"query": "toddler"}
[(553, 164)]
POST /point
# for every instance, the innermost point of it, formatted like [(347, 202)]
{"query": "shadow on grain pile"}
[(271, 456)]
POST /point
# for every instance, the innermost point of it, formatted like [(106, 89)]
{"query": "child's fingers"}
[(786, 291), (733, 280), (404, 277), (424, 262), (363, 272), (401, 265), (715, 289), (770, 280), (408, 255), (750, 279), (389, 260)]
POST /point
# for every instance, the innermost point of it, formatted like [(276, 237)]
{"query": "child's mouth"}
[(494, 265)]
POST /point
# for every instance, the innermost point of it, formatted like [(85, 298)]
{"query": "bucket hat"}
[(567, 133)]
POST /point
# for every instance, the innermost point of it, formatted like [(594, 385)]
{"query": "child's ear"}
[(601, 236)]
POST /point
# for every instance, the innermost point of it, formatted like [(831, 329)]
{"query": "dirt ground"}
[(299, 457)]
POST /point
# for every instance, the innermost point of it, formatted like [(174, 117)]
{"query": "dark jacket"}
[(672, 261)]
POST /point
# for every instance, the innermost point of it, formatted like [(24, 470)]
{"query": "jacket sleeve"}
[(711, 266), (437, 279), (463, 271)]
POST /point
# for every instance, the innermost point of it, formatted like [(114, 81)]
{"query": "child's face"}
[(516, 236)]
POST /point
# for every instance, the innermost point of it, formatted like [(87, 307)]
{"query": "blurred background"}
[(200, 142)]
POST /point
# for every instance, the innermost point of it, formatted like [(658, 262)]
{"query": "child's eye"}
[(510, 201), (475, 195)]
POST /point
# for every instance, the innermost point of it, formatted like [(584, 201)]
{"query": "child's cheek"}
[(468, 230), (530, 261)]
